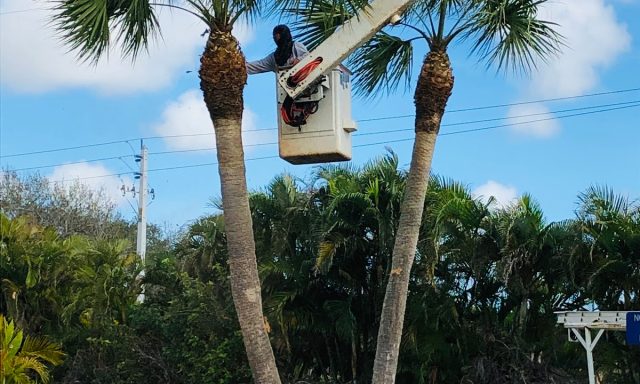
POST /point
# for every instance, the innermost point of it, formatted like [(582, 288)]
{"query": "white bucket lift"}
[(326, 135), (320, 81)]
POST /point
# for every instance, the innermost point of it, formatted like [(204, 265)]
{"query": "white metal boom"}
[(346, 39)]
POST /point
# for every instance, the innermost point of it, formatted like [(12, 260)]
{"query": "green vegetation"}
[(482, 292), (23, 357)]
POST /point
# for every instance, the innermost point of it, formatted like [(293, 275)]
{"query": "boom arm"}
[(346, 39)]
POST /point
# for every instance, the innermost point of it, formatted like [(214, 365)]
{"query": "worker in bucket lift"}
[(287, 53)]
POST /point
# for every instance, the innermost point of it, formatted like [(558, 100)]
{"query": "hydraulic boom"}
[(347, 38)]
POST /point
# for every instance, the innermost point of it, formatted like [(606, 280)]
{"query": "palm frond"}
[(316, 20), (382, 64), (28, 364), (347, 7), (601, 200), (139, 23), (43, 349), (509, 34), (85, 25)]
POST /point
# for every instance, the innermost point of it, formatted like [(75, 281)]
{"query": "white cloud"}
[(545, 126), (34, 60), (188, 115), (594, 39), (503, 194), (90, 175)]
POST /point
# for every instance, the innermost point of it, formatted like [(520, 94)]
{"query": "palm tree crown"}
[(91, 26), (505, 33)]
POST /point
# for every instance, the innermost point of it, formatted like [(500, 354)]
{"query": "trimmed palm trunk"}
[(432, 93), (223, 76)]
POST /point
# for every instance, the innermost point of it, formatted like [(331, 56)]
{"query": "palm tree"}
[(90, 27), (609, 262), (36, 267), (527, 245), (23, 357), (203, 248), (507, 33), (610, 227), (106, 284), (323, 253)]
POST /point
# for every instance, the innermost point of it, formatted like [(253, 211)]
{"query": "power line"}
[(503, 125), (512, 104), (360, 120), (376, 143), (537, 121), (626, 103), (74, 162), (630, 104), (388, 131), (23, 10), (66, 148), (607, 108)]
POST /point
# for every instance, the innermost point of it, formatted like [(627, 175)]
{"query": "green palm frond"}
[(343, 317), (224, 13), (92, 27), (316, 20), (382, 64), (509, 34), (601, 200), (426, 13), (345, 9), (326, 253), (42, 349), (85, 25), (24, 356), (139, 23), (26, 365)]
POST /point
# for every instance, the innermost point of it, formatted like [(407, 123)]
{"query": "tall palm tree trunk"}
[(223, 77), (432, 93)]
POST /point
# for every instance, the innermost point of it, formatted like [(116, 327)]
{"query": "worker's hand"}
[(295, 61)]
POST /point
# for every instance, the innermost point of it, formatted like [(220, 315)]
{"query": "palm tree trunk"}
[(223, 77), (432, 93)]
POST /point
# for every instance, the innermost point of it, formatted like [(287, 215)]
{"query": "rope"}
[(303, 73)]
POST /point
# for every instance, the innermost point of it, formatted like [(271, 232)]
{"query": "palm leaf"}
[(42, 349), (85, 25), (509, 34), (382, 64), (314, 24)]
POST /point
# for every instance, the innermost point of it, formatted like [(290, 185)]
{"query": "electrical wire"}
[(624, 105), (370, 144), (73, 162), (23, 10), (66, 148), (360, 121), (511, 104), (627, 103), (607, 108)]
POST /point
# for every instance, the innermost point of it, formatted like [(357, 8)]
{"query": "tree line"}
[(480, 306)]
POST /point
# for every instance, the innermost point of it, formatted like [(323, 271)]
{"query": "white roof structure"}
[(609, 320), (580, 324)]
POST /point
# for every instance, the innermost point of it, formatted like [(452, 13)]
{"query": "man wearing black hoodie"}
[(287, 53)]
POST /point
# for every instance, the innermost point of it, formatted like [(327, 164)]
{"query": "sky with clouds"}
[(551, 149)]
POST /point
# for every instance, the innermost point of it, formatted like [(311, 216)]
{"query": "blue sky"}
[(48, 100)]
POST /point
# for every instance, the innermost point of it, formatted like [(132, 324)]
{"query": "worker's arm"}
[(268, 64)]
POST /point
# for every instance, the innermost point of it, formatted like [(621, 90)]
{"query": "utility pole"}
[(141, 243)]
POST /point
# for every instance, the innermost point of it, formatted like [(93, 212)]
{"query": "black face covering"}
[(285, 45)]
